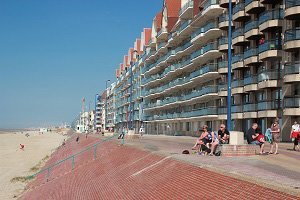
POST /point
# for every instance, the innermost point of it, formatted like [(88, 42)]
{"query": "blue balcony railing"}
[(292, 68), (224, 17), (270, 45), (250, 107), (237, 83), (291, 3), (251, 25), (223, 40), (269, 75), (237, 58), (209, 3), (292, 34), (274, 104), (238, 7), (238, 32), (250, 52), (189, 4), (236, 108), (291, 102), (271, 15), (250, 80)]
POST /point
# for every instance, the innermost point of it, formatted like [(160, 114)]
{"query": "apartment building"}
[(110, 105), (128, 91), (99, 113), (180, 75)]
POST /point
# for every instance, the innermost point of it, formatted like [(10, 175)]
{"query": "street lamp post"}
[(106, 103), (229, 67)]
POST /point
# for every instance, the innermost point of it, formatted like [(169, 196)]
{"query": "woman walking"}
[(275, 130)]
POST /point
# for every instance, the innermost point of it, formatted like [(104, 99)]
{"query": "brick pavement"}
[(125, 172)]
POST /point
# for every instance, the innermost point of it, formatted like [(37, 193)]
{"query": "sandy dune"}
[(16, 162)]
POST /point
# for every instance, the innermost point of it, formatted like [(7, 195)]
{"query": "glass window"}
[(247, 98)]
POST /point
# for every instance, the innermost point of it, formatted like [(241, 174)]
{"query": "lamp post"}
[(95, 118), (106, 103), (229, 67)]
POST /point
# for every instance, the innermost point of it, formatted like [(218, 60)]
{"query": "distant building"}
[(99, 112), (86, 121), (110, 100)]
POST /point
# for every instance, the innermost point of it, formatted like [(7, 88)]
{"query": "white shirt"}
[(296, 127)]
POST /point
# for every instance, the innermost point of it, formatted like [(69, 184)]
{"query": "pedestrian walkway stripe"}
[(150, 166)]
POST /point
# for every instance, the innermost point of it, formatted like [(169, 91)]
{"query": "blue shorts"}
[(256, 142)]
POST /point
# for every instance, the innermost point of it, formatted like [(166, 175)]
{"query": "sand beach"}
[(20, 163)]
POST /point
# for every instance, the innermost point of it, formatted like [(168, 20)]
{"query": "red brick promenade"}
[(123, 172)]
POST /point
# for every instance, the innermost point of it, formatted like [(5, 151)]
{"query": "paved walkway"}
[(153, 168), (275, 171)]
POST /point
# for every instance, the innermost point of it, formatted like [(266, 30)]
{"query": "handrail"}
[(70, 157)]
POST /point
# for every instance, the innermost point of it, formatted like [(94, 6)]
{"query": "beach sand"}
[(17, 163)]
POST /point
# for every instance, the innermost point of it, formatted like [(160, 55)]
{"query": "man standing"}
[(252, 137), (223, 134)]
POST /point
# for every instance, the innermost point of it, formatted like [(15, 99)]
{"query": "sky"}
[(55, 52)]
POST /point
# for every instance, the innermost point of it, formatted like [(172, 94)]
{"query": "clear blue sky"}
[(55, 52)]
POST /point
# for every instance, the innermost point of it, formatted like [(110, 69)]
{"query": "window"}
[(247, 98)]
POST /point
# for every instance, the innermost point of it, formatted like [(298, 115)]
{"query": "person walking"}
[(77, 139), (295, 135), (275, 130), (142, 131)]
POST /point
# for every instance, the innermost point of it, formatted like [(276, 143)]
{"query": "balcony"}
[(152, 42), (292, 72), (237, 87), (161, 48), (250, 110), (291, 106), (250, 83), (292, 39), (253, 6), (206, 72), (205, 33), (222, 112), (209, 9), (251, 30), (223, 67), (223, 44), (270, 20), (238, 61), (224, 21), (237, 112), (186, 11), (251, 56), (222, 89), (208, 52), (225, 3), (269, 79), (268, 108), (185, 29), (162, 34), (292, 9), (270, 49), (206, 112), (239, 13), (238, 37)]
